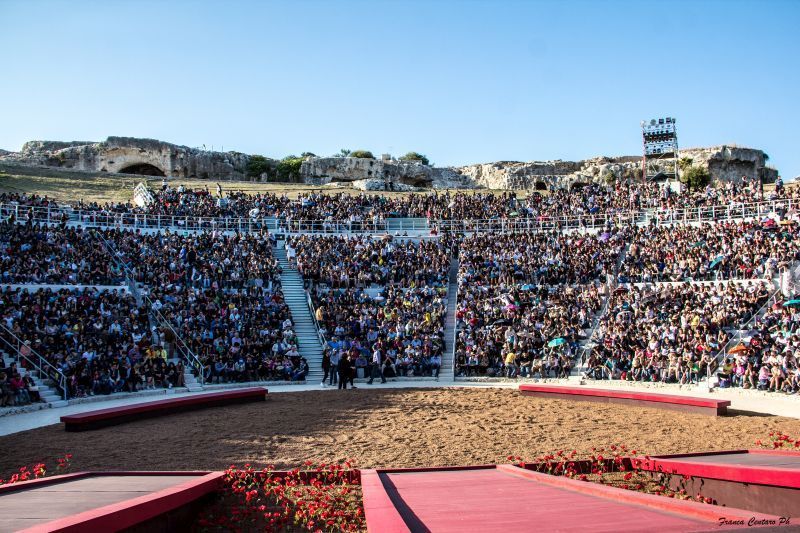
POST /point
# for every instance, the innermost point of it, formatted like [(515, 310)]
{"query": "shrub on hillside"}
[(415, 156), (696, 177), (256, 166)]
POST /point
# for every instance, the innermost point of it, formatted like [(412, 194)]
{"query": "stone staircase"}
[(448, 368), (294, 295), (190, 381), (48, 393)]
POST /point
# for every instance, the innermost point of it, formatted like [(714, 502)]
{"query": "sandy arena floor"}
[(389, 428)]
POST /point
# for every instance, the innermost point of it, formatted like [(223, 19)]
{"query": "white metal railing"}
[(44, 367), (109, 219)]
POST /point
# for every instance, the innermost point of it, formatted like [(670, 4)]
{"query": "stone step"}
[(294, 295)]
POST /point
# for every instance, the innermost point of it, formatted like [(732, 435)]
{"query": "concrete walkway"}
[(741, 400)]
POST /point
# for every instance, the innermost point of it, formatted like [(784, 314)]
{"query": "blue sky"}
[(463, 82)]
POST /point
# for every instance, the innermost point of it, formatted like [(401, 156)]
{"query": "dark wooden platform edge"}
[(129, 515), (119, 415), (642, 399), (773, 489)]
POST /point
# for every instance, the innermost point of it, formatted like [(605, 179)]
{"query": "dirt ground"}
[(384, 428)]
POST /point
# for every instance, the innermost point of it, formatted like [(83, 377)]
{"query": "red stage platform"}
[(508, 499), (763, 480), (118, 415), (643, 399)]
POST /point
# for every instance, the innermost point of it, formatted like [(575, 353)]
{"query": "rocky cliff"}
[(130, 155), (337, 169), (730, 163), (725, 163)]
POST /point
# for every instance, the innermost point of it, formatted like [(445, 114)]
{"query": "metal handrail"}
[(322, 340), (736, 339), (40, 364), (182, 347), (110, 219), (455, 331)]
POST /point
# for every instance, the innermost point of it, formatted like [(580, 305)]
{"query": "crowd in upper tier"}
[(725, 250), (41, 254), (370, 209)]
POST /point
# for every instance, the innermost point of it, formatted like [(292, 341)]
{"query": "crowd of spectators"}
[(670, 332), (718, 251), (364, 261), (380, 302), (373, 209), (767, 358), (101, 341), (551, 258), (527, 300), (38, 254), (395, 332), (522, 330), (222, 295)]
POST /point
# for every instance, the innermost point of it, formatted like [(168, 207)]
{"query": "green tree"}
[(415, 156), (308, 154), (344, 152), (685, 162), (696, 177), (256, 166), (363, 154), (289, 168)]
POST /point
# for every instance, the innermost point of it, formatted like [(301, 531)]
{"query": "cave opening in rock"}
[(145, 169)]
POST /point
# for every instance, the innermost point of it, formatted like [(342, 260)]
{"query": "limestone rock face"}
[(339, 169), (730, 163), (130, 155), (545, 174), (134, 156), (374, 184), (725, 163)]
